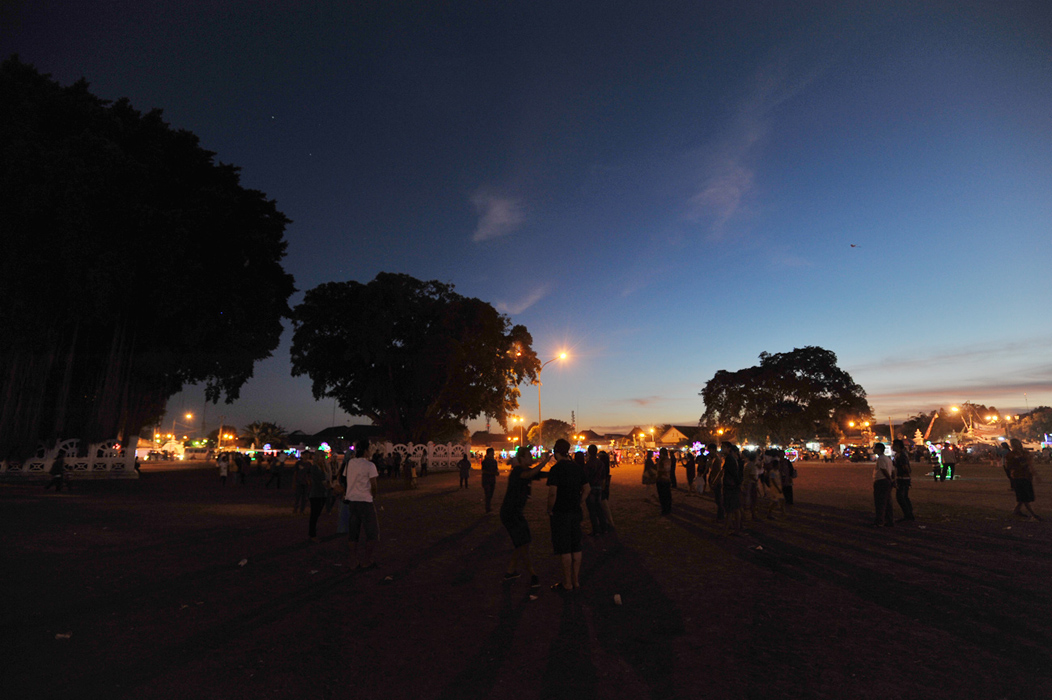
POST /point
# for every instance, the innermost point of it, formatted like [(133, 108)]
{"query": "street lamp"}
[(560, 356), (520, 420)]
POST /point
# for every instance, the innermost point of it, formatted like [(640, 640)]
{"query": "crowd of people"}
[(740, 483)]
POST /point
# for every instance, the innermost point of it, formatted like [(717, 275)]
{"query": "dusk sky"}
[(662, 189)]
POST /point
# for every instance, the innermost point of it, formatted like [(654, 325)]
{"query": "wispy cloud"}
[(727, 173), (517, 307), (498, 215), (985, 352)]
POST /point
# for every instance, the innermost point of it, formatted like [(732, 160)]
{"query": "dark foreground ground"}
[(134, 590)]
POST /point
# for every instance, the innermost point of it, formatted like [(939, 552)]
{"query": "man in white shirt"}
[(883, 482), (360, 497)]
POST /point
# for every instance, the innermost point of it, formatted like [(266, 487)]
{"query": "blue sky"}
[(663, 189)]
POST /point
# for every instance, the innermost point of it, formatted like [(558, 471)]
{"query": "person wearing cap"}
[(567, 490)]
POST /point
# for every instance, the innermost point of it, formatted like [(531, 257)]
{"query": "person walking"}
[(664, 481), (883, 482), (361, 496), (903, 478), (58, 474), (512, 517), (1021, 472), (567, 490), (224, 467), (490, 469)]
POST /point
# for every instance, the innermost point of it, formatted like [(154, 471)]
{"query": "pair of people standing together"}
[(568, 489)]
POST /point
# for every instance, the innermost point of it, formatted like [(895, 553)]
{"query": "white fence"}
[(439, 457), (106, 460)]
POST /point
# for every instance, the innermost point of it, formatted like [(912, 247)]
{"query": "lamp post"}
[(540, 438)]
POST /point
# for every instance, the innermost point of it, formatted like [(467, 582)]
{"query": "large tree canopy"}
[(788, 396), (132, 264), (415, 357)]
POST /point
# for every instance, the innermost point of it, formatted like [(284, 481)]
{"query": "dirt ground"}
[(135, 589)]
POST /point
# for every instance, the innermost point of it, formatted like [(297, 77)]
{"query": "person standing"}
[(883, 482), (671, 467), (514, 520), (714, 464), (224, 467), (593, 470), (604, 498), (702, 465), (903, 478), (567, 491), (301, 482), (649, 471), (490, 469), (664, 481), (949, 461), (1021, 472), (751, 482), (464, 465), (775, 490), (690, 467), (732, 487), (788, 473), (242, 467), (275, 471), (320, 481), (361, 495)]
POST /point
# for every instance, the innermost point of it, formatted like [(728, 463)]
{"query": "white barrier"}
[(105, 460)]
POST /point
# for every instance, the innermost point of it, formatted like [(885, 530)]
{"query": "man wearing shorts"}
[(361, 499), (567, 490)]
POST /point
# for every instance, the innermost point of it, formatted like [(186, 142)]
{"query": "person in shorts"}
[(513, 518), (567, 490), (360, 497)]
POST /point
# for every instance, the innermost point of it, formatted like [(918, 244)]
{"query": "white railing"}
[(105, 460), (439, 457)]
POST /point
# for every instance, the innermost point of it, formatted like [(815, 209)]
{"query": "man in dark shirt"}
[(567, 490)]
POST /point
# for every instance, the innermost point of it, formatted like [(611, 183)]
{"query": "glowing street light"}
[(520, 420), (560, 356)]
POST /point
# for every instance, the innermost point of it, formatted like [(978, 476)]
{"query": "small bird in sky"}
[(854, 246)]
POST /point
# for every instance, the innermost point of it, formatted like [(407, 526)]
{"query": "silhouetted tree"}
[(415, 357), (132, 264), (787, 396)]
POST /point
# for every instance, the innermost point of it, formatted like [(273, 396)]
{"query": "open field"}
[(145, 578)]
